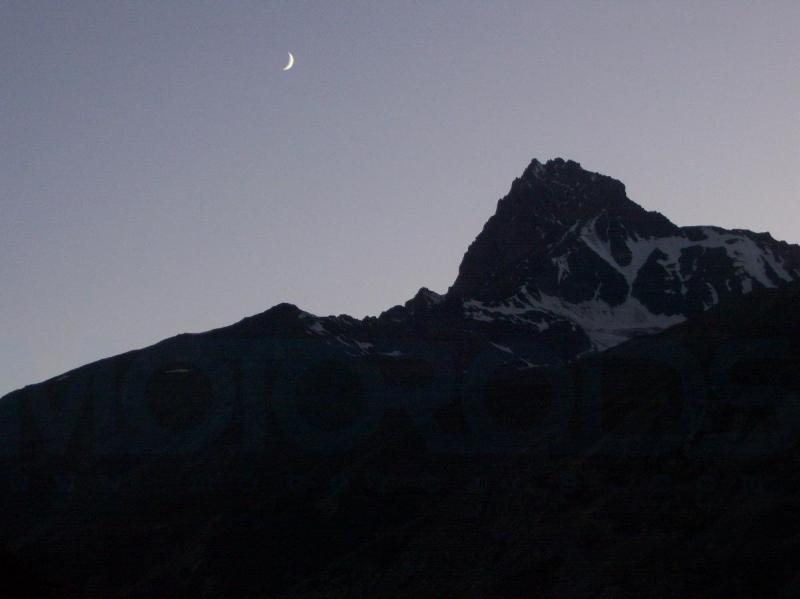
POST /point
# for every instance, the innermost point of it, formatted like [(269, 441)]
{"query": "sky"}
[(160, 173)]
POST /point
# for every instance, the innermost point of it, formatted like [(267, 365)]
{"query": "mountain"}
[(474, 443), (570, 265), (566, 243)]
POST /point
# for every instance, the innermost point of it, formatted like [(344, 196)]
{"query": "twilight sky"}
[(159, 173)]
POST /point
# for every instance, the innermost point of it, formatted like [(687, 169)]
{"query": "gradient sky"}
[(159, 173)]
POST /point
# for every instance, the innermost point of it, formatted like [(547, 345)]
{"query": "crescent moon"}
[(290, 64)]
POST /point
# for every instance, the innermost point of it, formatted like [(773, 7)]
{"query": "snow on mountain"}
[(567, 265), (567, 262), (567, 244)]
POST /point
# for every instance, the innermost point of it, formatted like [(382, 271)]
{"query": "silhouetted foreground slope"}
[(663, 468), (678, 481)]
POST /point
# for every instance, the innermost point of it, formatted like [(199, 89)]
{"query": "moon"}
[(290, 64)]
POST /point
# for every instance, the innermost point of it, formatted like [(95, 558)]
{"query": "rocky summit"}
[(568, 244)]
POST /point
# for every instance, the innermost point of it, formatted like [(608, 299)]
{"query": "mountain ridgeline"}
[(603, 404), (569, 262)]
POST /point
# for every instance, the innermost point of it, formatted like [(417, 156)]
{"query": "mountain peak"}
[(553, 167), (561, 192), (542, 206), (570, 174), (569, 243)]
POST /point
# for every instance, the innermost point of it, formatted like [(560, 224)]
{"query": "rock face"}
[(566, 243)]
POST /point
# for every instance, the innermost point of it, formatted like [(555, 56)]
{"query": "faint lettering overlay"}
[(245, 395)]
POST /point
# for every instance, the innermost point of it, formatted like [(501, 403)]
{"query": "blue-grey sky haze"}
[(159, 173)]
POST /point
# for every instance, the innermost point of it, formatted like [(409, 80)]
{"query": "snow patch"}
[(317, 328), (502, 348), (512, 310), (746, 255), (606, 325)]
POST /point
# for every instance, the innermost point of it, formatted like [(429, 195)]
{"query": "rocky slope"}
[(566, 243)]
